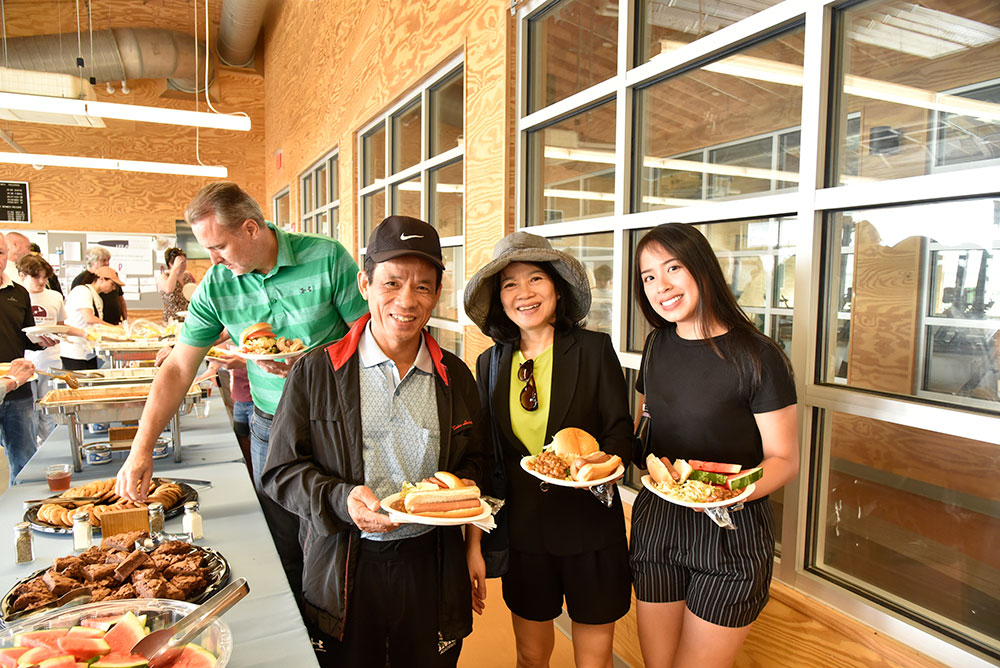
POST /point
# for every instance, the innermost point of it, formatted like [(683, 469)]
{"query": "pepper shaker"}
[(23, 549), (156, 517)]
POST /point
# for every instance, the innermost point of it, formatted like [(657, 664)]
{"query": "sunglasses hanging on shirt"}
[(529, 395)]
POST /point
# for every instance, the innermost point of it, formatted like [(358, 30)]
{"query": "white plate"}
[(272, 356), (46, 330), (188, 290), (583, 484), (747, 491), (401, 517), (182, 314)]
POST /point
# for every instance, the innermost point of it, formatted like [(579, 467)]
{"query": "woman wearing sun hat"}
[(552, 374)]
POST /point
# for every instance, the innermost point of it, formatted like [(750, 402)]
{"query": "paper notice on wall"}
[(72, 251), (132, 255)]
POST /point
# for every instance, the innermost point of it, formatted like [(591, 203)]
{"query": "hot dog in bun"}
[(583, 455), (443, 495)]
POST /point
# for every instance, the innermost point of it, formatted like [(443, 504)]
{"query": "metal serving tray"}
[(108, 403)]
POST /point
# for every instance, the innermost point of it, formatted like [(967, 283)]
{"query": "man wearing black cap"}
[(357, 418)]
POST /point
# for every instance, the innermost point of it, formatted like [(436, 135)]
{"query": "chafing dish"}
[(108, 403)]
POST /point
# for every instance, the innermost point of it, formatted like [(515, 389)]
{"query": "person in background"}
[(357, 418), (84, 306), (564, 543), (53, 283), (48, 308), (20, 372), (18, 246), (719, 391), (242, 411), (171, 283), (115, 311), (17, 425), (303, 285)]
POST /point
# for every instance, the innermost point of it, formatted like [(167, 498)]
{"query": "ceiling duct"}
[(239, 26), (120, 54)]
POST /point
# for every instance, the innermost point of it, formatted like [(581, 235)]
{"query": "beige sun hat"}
[(525, 247)]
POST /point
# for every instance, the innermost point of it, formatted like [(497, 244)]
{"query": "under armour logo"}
[(407, 237)]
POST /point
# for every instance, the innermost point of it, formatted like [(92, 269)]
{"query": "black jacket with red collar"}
[(315, 458)]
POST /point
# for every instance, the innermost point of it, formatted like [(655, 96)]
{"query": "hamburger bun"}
[(451, 480), (255, 330), (573, 442)]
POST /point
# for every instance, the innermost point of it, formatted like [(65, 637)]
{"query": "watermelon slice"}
[(9, 655), (683, 468), (85, 632), (42, 638), (125, 634), (705, 476), (195, 656), (120, 660), (37, 655), (65, 661), (714, 467), (84, 649), (105, 623), (741, 480)]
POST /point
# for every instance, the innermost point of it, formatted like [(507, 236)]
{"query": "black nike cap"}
[(402, 235)]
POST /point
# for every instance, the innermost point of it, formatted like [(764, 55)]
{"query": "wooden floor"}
[(793, 632)]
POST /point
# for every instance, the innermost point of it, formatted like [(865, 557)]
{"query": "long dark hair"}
[(716, 303), (502, 329)]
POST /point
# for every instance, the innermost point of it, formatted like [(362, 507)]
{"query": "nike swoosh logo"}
[(406, 237)]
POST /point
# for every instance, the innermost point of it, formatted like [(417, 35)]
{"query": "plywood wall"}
[(86, 199), (322, 91)]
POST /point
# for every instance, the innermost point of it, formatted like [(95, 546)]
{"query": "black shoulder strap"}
[(494, 372), (645, 361)]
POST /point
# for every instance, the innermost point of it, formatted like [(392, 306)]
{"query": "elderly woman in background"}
[(171, 283), (115, 310)]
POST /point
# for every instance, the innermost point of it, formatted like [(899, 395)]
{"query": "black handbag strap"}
[(645, 363), (494, 372)]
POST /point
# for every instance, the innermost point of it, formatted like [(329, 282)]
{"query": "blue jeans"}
[(284, 525), (17, 432)]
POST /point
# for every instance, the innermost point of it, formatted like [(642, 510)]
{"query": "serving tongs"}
[(61, 499), (73, 597), (162, 648), (73, 383), (80, 374)]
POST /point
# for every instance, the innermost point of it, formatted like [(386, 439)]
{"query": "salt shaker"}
[(23, 549), (155, 517), (83, 533), (192, 521)]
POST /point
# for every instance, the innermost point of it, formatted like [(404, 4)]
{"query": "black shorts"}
[(678, 554), (596, 585)]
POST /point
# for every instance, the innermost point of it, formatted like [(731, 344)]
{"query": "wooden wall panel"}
[(884, 314), (88, 199), (321, 92)]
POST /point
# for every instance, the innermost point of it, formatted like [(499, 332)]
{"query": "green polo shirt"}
[(310, 294)]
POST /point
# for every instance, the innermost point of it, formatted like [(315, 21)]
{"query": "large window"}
[(843, 159), (320, 197), (280, 212), (412, 164)]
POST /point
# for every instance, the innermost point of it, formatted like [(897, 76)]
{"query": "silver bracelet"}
[(17, 383)]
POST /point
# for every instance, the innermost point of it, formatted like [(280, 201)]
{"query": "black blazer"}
[(588, 392)]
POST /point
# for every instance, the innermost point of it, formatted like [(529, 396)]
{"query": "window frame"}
[(807, 208), (309, 218), (385, 183)]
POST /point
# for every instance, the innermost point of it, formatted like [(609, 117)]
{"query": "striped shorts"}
[(678, 554)]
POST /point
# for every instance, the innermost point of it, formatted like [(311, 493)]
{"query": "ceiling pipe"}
[(239, 26), (119, 54)]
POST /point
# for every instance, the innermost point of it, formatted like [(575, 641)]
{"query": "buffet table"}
[(207, 440), (267, 629)]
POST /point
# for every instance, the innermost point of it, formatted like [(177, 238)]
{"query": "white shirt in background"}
[(80, 297), (11, 272), (48, 308)]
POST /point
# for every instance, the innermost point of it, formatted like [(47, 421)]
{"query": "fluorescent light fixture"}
[(108, 163), (127, 112), (790, 74)]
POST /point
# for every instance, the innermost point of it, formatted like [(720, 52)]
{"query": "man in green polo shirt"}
[(303, 285)]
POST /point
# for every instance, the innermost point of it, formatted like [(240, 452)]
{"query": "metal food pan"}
[(120, 376), (108, 403)]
